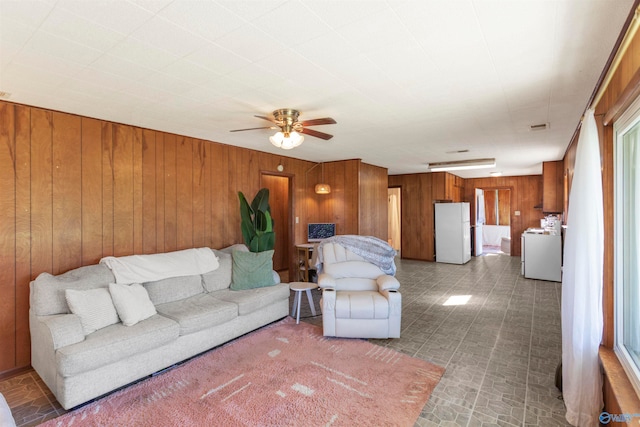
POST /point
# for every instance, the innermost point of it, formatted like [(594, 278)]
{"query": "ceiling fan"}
[(290, 129)]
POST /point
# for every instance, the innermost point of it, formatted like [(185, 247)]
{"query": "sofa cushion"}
[(251, 300), (47, 291), (252, 270), (219, 278), (94, 307), (132, 303), (198, 312), (115, 342), (236, 247), (65, 329), (174, 288)]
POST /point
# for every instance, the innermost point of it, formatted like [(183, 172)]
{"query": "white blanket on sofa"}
[(148, 268)]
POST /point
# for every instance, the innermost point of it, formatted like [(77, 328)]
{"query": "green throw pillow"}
[(252, 270)]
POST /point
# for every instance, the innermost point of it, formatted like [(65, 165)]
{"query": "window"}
[(627, 242)]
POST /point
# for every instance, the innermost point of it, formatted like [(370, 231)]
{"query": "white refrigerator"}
[(453, 233)]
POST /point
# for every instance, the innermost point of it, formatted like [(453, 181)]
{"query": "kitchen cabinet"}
[(553, 187)]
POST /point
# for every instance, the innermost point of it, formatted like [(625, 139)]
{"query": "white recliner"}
[(358, 299)]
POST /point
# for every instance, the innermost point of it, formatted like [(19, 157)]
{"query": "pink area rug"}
[(281, 375)]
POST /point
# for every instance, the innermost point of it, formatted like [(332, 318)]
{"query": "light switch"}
[(517, 213), (297, 220)]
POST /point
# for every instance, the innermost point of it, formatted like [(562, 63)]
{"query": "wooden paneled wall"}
[(75, 189), (417, 221), (526, 194), (622, 89), (504, 207), (620, 82), (341, 206), (373, 192), (419, 191), (358, 191)]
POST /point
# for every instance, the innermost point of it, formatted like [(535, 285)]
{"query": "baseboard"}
[(14, 372)]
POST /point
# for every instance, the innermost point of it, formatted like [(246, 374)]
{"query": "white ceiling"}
[(408, 81)]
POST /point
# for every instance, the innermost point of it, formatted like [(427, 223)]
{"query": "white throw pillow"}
[(132, 302), (94, 307)]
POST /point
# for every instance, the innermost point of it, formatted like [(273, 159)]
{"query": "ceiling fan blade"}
[(317, 134), (316, 122), (264, 127), (264, 118)]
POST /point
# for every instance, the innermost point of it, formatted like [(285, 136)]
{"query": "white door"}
[(480, 219)]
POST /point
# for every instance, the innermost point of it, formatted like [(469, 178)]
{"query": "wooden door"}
[(280, 203)]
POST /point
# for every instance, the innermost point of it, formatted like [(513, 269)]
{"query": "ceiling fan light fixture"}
[(276, 139), (292, 141), (286, 141), (462, 165)]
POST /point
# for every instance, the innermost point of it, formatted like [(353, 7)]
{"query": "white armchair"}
[(358, 299)]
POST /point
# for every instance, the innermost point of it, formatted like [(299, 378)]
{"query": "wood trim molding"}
[(628, 95), (619, 49), (623, 41), (14, 372), (622, 389)]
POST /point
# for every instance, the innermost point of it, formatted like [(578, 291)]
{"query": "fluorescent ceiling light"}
[(462, 164), (494, 174)]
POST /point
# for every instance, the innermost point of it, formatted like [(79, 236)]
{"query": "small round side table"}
[(298, 287)]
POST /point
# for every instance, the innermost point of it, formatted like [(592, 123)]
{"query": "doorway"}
[(479, 225), (394, 223), (281, 211), (496, 230)]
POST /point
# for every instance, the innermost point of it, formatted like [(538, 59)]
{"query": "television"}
[(319, 231)]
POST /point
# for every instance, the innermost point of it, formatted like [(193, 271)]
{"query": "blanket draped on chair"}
[(372, 249)]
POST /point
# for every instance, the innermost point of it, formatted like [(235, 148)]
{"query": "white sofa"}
[(194, 314), (6, 419), (358, 299)]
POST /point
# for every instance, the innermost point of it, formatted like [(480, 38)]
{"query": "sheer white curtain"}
[(582, 283), (481, 219)]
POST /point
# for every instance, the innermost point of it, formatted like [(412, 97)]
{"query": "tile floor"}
[(500, 348)]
